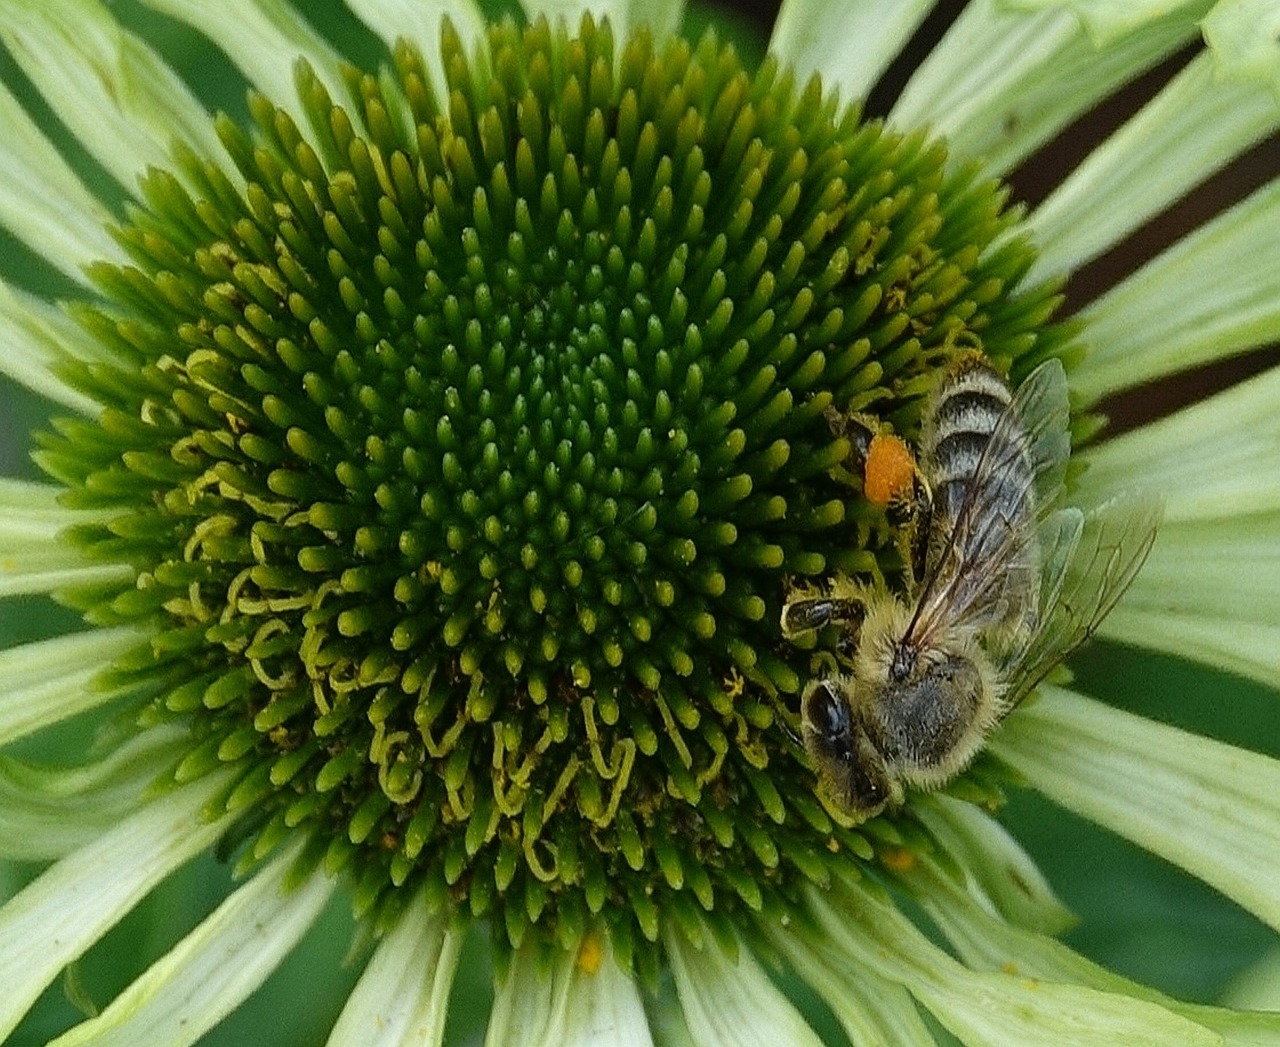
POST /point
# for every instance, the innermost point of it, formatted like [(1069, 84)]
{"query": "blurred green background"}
[(1137, 914)]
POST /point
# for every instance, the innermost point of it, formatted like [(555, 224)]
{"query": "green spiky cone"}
[(463, 462)]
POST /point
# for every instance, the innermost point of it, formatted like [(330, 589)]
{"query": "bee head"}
[(826, 714), (842, 754)]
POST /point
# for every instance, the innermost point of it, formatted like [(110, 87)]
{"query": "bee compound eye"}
[(826, 711)]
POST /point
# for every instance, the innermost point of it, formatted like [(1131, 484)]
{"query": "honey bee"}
[(1001, 585)]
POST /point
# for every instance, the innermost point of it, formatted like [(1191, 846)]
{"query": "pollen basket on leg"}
[(461, 459)]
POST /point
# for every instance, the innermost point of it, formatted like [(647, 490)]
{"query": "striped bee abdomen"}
[(975, 453), (965, 418)]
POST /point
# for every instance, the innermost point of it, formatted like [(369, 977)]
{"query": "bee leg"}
[(914, 517), (813, 612), (810, 613), (855, 429)]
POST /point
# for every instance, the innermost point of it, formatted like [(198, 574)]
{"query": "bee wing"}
[(1041, 404), (1027, 452), (1059, 538), (1110, 548)]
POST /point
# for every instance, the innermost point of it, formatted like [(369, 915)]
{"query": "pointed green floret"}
[(461, 459)]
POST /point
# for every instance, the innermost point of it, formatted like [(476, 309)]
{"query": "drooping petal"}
[(419, 22), (215, 967), (849, 43), (49, 681), (604, 1006), (34, 558), (871, 1009), (56, 917), (1198, 123), (586, 1000), (42, 201), (48, 812), (1210, 591), (124, 104), (402, 997), (667, 1020), (34, 334), (1001, 83), (1208, 807), (993, 1008), (1213, 460), (729, 1001), (985, 942), (264, 39), (997, 868)]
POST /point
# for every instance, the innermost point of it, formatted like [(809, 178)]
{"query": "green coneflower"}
[(435, 449)]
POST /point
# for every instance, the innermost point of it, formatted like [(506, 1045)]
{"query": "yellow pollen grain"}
[(590, 954), (898, 859), (889, 471)]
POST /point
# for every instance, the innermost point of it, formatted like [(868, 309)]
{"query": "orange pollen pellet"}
[(890, 470)]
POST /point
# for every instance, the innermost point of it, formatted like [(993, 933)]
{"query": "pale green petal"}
[(33, 556), (1210, 590), (1246, 648), (605, 1009), (1257, 987), (573, 10), (667, 1020), (46, 682), (402, 997), (264, 39), (48, 812), (118, 97), (215, 967), (1245, 36), (849, 43), (34, 334), (1001, 83), (729, 1001), (661, 16), (585, 1000), (32, 509), (1228, 567), (1215, 459), (987, 943), (1208, 807), (1197, 124), (1105, 20), (993, 1008), (1212, 295), (997, 869), (418, 21), (43, 203), (56, 917), (871, 1009), (50, 567)]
